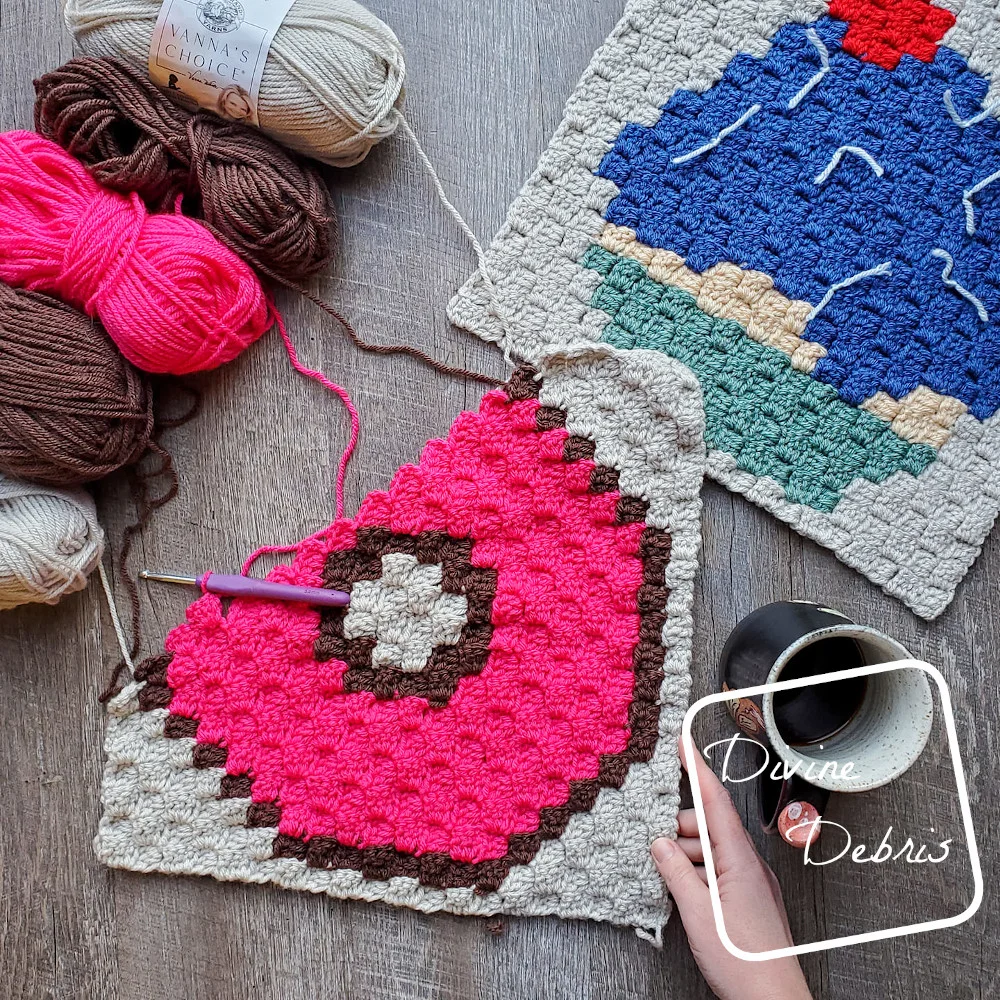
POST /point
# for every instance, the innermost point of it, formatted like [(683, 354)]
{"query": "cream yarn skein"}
[(49, 542), (332, 81)]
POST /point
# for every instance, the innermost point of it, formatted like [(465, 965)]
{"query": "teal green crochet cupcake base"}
[(773, 420)]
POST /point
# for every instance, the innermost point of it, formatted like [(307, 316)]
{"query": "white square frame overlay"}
[(963, 797)]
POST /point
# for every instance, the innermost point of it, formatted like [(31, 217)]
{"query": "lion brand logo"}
[(221, 16)]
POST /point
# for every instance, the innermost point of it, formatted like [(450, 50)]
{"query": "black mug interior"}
[(810, 715)]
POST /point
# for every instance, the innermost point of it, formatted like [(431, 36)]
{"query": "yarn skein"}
[(50, 541), (169, 294), (132, 138), (332, 80), (259, 200), (72, 409)]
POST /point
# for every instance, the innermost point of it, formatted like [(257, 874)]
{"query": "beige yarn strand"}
[(116, 620), (477, 246)]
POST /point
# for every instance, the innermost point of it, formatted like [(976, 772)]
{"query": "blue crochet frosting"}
[(753, 200)]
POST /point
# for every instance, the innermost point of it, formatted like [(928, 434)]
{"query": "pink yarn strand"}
[(318, 376), (264, 550), (345, 457)]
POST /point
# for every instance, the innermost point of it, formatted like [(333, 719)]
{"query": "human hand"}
[(751, 900)]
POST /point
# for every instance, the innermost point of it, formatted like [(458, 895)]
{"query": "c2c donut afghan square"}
[(491, 725)]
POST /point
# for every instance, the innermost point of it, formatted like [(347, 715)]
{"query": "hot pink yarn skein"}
[(172, 297)]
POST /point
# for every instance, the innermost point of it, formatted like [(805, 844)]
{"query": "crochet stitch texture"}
[(491, 725), (800, 200)]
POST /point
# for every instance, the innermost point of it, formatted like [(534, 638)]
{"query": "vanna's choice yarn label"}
[(211, 53)]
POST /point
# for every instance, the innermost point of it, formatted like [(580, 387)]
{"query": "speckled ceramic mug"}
[(877, 724)]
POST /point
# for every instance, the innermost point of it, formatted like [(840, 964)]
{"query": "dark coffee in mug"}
[(878, 722), (810, 715)]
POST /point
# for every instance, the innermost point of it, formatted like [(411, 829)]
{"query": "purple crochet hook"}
[(231, 585)]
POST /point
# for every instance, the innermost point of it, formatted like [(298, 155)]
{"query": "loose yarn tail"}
[(318, 376), (477, 247), (345, 457), (263, 550), (145, 506), (126, 666), (407, 349), (483, 270)]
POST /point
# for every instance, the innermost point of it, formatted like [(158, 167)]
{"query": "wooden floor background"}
[(486, 86)]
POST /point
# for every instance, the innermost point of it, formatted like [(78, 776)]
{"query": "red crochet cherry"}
[(881, 31)]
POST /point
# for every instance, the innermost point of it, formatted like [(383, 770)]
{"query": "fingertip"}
[(682, 749), (679, 875), (663, 850)]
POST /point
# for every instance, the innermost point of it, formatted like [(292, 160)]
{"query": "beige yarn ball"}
[(50, 541), (331, 84)]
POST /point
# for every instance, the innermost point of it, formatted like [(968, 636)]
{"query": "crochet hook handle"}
[(233, 585)]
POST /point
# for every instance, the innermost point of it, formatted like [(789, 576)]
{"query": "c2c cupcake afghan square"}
[(800, 201)]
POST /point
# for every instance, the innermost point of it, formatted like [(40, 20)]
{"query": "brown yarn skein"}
[(267, 206), (72, 409)]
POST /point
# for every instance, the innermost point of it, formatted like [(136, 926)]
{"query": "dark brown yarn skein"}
[(266, 205), (72, 409)]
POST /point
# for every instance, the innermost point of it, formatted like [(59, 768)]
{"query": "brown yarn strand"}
[(413, 352), (72, 409), (263, 203), (145, 506), (140, 486), (140, 489)]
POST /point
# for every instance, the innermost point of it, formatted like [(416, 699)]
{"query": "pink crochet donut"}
[(444, 751)]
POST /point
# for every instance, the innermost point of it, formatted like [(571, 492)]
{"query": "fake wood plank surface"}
[(257, 465)]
